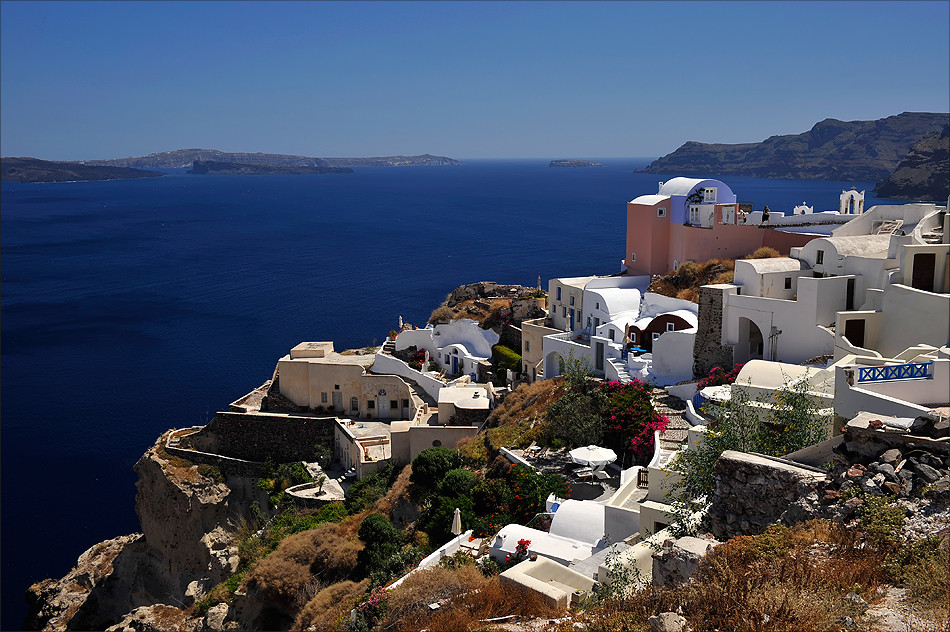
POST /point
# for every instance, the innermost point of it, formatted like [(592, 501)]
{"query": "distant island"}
[(574, 163), (183, 158), (36, 170), (210, 167), (831, 150), (924, 173)]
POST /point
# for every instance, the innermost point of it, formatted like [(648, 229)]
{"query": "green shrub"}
[(503, 357), (458, 482), (370, 488), (211, 472), (432, 464)]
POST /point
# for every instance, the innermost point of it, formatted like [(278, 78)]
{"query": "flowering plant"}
[(630, 419), (719, 377), (373, 605), (522, 549)]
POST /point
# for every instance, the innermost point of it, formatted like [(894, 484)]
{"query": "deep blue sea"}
[(133, 306)]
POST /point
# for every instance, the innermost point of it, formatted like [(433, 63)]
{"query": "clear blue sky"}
[(468, 80)]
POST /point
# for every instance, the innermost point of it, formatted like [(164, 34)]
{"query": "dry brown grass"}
[(472, 598), (526, 403), (517, 421), (400, 493), (329, 605), (326, 554), (685, 281), (782, 580), (765, 252)]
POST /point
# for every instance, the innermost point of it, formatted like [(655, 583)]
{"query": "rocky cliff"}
[(35, 170), (574, 163), (186, 546), (831, 150), (181, 158), (924, 173), (203, 167)]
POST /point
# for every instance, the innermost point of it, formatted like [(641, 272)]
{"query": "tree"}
[(381, 541), (575, 418), (432, 464), (795, 422)]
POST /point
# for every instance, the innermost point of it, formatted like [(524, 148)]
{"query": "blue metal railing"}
[(909, 371)]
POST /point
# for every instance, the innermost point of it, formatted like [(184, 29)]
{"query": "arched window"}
[(436, 444)]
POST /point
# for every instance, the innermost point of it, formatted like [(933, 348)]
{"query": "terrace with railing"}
[(890, 372)]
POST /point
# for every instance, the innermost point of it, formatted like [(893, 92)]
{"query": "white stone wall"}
[(673, 357)]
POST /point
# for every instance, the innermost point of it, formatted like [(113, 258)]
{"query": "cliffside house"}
[(696, 220), (878, 286), (625, 333)]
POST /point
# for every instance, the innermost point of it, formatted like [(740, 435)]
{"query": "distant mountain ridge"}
[(831, 150), (36, 170), (924, 173), (236, 168), (182, 158)]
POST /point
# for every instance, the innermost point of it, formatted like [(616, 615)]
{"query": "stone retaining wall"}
[(256, 437), (754, 491), (708, 350), (228, 466)]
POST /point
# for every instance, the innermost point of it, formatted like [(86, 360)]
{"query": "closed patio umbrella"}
[(593, 455), (457, 522)]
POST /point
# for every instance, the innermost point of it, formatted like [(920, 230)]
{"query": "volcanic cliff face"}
[(924, 173), (186, 546), (831, 150)]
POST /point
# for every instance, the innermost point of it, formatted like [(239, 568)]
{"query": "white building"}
[(624, 331), (457, 347), (877, 286)]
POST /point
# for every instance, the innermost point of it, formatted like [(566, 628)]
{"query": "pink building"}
[(694, 220)]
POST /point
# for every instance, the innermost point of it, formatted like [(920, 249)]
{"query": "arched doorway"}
[(552, 365), (751, 344)]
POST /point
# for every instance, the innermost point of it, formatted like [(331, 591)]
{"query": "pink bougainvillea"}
[(630, 419), (719, 376)]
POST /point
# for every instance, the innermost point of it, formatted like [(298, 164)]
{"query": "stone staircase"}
[(622, 373), (934, 236), (389, 346), (674, 409), (889, 226)]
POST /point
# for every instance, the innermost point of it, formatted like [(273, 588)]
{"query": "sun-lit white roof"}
[(579, 520), (649, 200), (774, 264), (615, 300), (679, 186)]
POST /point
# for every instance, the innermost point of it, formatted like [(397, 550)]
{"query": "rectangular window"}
[(405, 403), (527, 346), (597, 305), (393, 404), (670, 327), (709, 195), (323, 397), (633, 257), (633, 337), (661, 212), (820, 257), (336, 387), (559, 292), (572, 300), (611, 335), (656, 335), (370, 404), (694, 214), (564, 312), (788, 283)]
